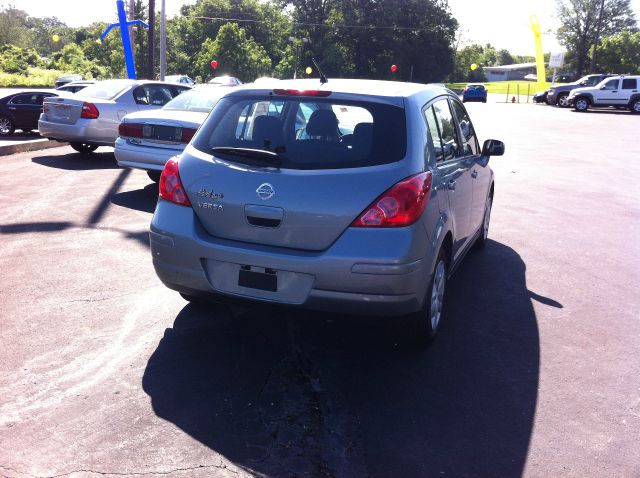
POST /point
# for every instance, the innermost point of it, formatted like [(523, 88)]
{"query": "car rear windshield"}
[(195, 100), (106, 90), (305, 132)]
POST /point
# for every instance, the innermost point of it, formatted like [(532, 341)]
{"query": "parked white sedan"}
[(90, 118), (149, 138)]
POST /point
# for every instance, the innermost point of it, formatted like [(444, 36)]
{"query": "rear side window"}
[(156, 95), (629, 84), (307, 133)]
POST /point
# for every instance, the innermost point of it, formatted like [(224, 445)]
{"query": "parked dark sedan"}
[(541, 97), (21, 111)]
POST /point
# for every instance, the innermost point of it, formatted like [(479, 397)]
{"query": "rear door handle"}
[(474, 174), (451, 185)]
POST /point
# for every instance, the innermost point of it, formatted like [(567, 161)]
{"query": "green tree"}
[(236, 55), (14, 28), (363, 38), (264, 21), (14, 59), (620, 53), (583, 24), (72, 59)]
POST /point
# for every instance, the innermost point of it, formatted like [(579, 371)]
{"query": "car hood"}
[(194, 118), (587, 89)]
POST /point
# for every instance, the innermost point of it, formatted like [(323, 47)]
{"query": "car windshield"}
[(304, 132), (195, 100), (106, 90)]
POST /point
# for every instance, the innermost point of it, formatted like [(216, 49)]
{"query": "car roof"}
[(376, 88)]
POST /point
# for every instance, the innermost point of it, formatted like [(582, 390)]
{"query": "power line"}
[(365, 27)]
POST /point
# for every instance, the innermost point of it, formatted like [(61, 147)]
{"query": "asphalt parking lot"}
[(536, 371)]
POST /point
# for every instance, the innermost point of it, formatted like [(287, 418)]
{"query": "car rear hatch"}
[(314, 180)]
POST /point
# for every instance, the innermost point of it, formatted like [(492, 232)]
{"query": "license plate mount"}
[(258, 280)]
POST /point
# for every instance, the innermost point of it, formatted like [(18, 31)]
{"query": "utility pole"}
[(163, 42), (595, 41), (132, 29), (152, 40)]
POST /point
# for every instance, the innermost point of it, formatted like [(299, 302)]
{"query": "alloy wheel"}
[(6, 127), (487, 218), (437, 294), (582, 104), (563, 101)]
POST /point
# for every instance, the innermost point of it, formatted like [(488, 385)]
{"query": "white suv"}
[(619, 91)]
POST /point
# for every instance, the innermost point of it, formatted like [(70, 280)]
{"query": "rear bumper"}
[(352, 276), (142, 157), (474, 98), (83, 131)]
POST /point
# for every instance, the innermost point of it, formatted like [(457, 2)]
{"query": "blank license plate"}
[(162, 133), (258, 280)]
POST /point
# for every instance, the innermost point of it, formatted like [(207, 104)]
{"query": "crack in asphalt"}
[(106, 473)]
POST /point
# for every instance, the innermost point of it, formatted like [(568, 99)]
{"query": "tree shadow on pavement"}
[(292, 393), (144, 200), (79, 162)]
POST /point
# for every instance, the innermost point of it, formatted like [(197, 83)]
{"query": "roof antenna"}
[(323, 78)]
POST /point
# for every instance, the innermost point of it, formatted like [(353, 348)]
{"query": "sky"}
[(503, 23)]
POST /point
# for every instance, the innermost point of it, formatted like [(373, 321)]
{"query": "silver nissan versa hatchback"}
[(351, 196)]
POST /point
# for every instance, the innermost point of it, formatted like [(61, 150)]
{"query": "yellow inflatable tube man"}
[(540, 73)]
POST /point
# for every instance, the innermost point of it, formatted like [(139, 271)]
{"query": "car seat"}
[(267, 132)]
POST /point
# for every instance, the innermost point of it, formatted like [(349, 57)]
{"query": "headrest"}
[(323, 123)]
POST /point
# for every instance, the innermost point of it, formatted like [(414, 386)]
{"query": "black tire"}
[(481, 242), (84, 148), (635, 106), (425, 324), (6, 126), (561, 101), (581, 104), (154, 176)]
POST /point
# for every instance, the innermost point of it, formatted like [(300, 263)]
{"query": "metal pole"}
[(163, 42), (132, 29), (151, 51)]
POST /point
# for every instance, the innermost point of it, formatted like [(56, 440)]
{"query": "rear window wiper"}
[(259, 154)]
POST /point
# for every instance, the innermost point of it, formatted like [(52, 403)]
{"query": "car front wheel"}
[(425, 322), (581, 104), (84, 148), (6, 126), (484, 232), (562, 100)]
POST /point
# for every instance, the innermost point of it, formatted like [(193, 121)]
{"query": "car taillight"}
[(400, 206), (89, 111), (130, 130), (187, 134), (465, 90), (171, 187)]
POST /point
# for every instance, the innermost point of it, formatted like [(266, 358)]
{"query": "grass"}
[(500, 87)]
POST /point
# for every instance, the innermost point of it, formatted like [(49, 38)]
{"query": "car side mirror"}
[(493, 147)]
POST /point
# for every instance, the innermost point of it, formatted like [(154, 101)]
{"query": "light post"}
[(296, 44), (163, 42)]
